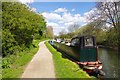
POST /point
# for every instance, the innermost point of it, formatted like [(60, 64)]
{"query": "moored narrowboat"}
[(84, 51)]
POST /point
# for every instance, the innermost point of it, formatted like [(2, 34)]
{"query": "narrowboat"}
[(84, 51)]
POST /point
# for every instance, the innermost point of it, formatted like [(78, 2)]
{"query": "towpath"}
[(41, 66)]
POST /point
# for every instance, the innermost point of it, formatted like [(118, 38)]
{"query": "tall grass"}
[(65, 68)]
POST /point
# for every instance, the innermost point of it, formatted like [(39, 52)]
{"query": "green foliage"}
[(65, 68), (108, 37), (13, 65), (112, 38), (20, 26), (9, 45), (66, 36)]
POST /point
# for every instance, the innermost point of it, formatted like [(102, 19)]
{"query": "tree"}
[(20, 26), (73, 27), (107, 12), (112, 38), (110, 13), (63, 34), (90, 29), (49, 32)]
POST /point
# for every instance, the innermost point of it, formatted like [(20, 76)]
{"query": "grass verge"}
[(65, 68), (14, 65)]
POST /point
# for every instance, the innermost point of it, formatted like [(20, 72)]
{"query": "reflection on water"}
[(109, 58)]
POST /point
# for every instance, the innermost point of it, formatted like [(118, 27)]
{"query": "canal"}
[(110, 59)]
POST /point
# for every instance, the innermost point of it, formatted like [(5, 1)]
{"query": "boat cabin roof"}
[(82, 36), (83, 41)]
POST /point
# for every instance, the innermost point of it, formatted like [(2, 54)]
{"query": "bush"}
[(19, 27), (9, 45)]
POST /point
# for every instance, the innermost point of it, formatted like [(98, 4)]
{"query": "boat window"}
[(75, 42), (88, 41)]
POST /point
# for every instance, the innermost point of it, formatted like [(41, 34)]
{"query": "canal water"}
[(110, 61)]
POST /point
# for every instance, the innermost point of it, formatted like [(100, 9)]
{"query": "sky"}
[(60, 15)]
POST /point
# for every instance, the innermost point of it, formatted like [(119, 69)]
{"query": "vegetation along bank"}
[(65, 68), (22, 30)]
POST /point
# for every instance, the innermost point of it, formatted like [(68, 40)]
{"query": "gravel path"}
[(41, 66)]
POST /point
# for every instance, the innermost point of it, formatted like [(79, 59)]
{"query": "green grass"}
[(15, 64), (65, 68)]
